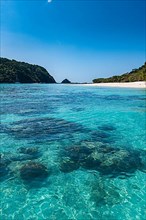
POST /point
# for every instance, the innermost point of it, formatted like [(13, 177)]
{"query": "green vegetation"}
[(12, 71), (133, 76)]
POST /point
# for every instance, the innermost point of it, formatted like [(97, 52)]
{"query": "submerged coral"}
[(26, 150), (68, 165), (108, 160), (33, 171), (43, 128), (30, 152)]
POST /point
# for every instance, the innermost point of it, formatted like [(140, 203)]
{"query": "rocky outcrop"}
[(66, 81), (107, 160)]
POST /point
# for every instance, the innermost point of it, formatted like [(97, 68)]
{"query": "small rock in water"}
[(33, 170)]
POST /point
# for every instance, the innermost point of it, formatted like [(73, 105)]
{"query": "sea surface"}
[(72, 152)]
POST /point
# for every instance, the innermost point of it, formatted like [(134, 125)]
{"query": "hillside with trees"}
[(135, 75), (12, 71)]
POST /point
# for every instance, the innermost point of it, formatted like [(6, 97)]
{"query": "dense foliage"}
[(12, 71), (133, 76)]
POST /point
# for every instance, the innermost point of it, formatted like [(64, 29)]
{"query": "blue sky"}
[(78, 40)]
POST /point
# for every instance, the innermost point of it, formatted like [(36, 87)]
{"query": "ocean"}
[(72, 152)]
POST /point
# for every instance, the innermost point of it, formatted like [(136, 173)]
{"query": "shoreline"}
[(139, 84)]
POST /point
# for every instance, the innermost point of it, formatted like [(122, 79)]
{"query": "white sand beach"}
[(140, 84)]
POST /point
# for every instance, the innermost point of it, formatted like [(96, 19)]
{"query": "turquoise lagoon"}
[(57, 121)]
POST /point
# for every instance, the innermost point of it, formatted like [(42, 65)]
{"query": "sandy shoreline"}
[(140, 84)]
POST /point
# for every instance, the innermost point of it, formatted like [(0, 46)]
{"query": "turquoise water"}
[(72, 152)]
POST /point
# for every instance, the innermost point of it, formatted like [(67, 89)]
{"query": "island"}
[(134, 76), (12, 71), (66, 81)]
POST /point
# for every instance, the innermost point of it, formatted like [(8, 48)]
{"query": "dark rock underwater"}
[(93, 153)]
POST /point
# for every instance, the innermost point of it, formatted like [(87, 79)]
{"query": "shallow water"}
[(69, 127)]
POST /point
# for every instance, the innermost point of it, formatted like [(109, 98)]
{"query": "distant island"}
[(135, 75), (12, 71), (66, 81)]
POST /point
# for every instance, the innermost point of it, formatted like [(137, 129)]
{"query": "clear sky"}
[(75, 39)]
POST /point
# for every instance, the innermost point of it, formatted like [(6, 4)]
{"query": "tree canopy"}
[(12, 71), (135, 75)]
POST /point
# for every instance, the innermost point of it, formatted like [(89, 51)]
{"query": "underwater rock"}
[(67, 165), (75, 156), (106, 159), (92, 161), (92, 145), (113, 161), (120, 162), (77, 153), (107, 149), (44, 128), (32, 151), (73, 153), (33, 171), (72, 156)]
